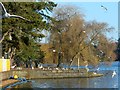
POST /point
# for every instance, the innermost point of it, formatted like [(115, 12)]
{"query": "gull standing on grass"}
[(7, 15)]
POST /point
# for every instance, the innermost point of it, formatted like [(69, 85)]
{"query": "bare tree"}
[(76, 38)]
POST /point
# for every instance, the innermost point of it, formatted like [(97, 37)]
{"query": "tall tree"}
[(64, 17), (74, 38), (22, 36)]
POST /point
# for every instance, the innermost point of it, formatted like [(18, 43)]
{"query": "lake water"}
[(106, 81)]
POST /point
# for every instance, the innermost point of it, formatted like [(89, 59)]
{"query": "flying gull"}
[(113, 74), (104, 8), (5, 14)]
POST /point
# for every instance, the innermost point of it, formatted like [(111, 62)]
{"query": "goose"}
[(5, 14)]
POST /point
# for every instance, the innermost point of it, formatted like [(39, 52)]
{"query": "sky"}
[(93, 11), (85, 0)]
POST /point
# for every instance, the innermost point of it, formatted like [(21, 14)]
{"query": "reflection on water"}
[(105, 81)]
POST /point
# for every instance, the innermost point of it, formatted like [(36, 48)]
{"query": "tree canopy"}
[(21, 38), (75, 38)]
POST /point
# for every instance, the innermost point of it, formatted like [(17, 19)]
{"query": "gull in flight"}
[(86, 66), (7, 15), (104, 8), (113, 74), (98, 69)]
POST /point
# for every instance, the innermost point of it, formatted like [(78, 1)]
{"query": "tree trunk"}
[(12, 53), (59, 59), (36, 64)]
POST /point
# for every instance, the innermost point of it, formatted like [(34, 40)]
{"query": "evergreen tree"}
[(22, 37)]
